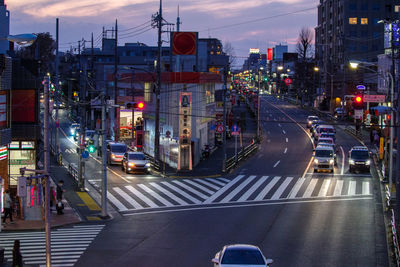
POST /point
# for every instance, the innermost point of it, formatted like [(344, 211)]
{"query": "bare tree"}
[(304, 43), (229, 50)]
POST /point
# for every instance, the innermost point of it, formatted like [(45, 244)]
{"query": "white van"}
[(323, 129), (324, 158)]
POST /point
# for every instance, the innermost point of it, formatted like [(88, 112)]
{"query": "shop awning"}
[(380, 110)]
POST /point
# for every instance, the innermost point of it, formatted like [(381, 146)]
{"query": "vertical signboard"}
[(270, 54), (185, 129), (3, 109)]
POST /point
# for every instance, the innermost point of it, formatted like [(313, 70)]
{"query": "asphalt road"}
[(274, 200)]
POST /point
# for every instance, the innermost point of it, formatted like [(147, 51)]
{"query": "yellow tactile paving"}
[(88, 201)]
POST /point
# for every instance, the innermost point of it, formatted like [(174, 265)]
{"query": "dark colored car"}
[(359, 159)]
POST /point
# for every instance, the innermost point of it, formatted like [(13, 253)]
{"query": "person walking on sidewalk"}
[(17, 256), (7, 206), (60, 191)]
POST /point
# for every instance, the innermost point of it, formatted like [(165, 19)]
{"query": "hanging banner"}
[(21, 189), (3, 152)]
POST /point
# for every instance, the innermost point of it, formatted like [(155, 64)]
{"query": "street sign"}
[(288, 81), (57, 123), (85, 154), (360, 87), (374, 98), (235, 130), (358, 114), (220, 128)]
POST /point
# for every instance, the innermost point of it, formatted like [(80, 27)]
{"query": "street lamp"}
[(359, 64), (317, 69)]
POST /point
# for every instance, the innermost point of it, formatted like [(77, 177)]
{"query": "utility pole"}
[(224, 121), (57, 95), (158, 19), (46, 152), (81, 163), (114, 115), (104, 213)]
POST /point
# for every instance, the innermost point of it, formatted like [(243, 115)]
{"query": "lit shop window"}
[(352, 20), (364, 21)]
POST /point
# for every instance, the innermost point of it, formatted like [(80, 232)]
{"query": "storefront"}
[(125, 122), (20, 154)]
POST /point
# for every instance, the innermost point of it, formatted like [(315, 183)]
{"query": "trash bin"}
[(1, 255)]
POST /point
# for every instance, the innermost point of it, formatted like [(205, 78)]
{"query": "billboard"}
[(270, 54), (184, 43), (24, 106)]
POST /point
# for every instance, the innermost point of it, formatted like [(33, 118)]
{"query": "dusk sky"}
[(79, 18)]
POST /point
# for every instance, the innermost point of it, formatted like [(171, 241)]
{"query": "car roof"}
[(323, 147), (135, 153), (359, 148), (116, 144), (325, 138), (241, 246), (312, 116), (325, 126)]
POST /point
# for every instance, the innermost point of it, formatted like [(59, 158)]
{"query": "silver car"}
[(115, 152), (135, 162)]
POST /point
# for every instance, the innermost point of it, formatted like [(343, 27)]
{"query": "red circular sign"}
[(288, 81), (220, 128)]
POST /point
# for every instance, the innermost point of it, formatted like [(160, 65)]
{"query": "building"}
[(349, 30), (4, 27)]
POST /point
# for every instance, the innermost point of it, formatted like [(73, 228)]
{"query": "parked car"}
[(359, 159), (135, 162), (339, 113), (115, 152), (240, 255), (310, 119)]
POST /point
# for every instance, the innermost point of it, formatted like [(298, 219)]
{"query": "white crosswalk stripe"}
[(207, 191), (68, 244)]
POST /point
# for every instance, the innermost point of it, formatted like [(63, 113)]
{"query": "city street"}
[(274, 200)]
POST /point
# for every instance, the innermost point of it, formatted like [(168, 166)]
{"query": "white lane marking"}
[(181, 192), (310, 188), (365, 188), (267, 188), (282, 188), (168, 193), (276, 164), (338, 174), (283, 131), (343, 158), (128, 198), (224, 179), (223, 189), (352, 188), (279, 125), (116, 202), (296, 188), (255, 186), (195, 184), (216, 181), (265, 203), (285, 151), (190, 189), (324, 188), (207, 184), (338, 188), (155, 195), (308, 166), (287, 140), (238, 189), (141, 196)]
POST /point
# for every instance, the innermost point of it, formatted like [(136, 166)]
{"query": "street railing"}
[(243, 154), (155, 165), (73, 170), (395, 239)]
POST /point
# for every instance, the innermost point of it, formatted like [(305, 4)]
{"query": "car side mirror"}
[(215, 260), (270, 261)]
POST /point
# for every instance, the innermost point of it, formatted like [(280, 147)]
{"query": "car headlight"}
[(87, 138), (331, 161), (309, 122), (351, 162), (113, 156), (72, 131), (316, 161), (367, 162), (131, 164), (147, 165)]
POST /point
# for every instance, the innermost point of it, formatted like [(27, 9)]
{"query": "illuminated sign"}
[(3, 152), (254, 51), (270, 54)]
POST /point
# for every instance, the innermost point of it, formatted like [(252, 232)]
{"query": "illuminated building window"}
[(147, 92), (364, 21), (352, 20), (212, 52)]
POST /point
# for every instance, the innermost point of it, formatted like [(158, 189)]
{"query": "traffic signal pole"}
[(104, 213)]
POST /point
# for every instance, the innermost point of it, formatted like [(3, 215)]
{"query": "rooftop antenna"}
[(178, 22)]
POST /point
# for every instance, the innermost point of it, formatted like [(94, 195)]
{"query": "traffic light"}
[(358, 102), (135, 105), (91, 149), (265, 79)]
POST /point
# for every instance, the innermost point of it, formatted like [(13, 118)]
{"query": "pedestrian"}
[(7, 206), (376, 139), (17, 256), (59, 196)]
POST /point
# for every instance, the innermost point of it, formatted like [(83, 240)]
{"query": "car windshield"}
[(243, 257), (357, 154), (118, 149), (324, 153), (137, 157)]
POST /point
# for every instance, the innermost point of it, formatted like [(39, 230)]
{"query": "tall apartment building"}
[(349, 30)]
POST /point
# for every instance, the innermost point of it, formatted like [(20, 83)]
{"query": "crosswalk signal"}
[(91, 149)]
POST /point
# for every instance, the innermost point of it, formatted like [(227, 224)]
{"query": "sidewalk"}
[(212, 166)]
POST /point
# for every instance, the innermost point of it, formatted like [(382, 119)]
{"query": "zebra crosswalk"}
[(208, 191), (67, 244)]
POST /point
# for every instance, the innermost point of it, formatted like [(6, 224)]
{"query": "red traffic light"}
[(140, 105), (388, 117), (358, 99)]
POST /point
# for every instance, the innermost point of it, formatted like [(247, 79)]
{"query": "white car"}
[(240, 255), (324, 158), (310, 119)]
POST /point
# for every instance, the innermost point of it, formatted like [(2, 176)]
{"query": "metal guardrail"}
[(395, 240), (155, 165), (73, 170), (231, 162)]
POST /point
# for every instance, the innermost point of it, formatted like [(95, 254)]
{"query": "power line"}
[(135, 26)]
